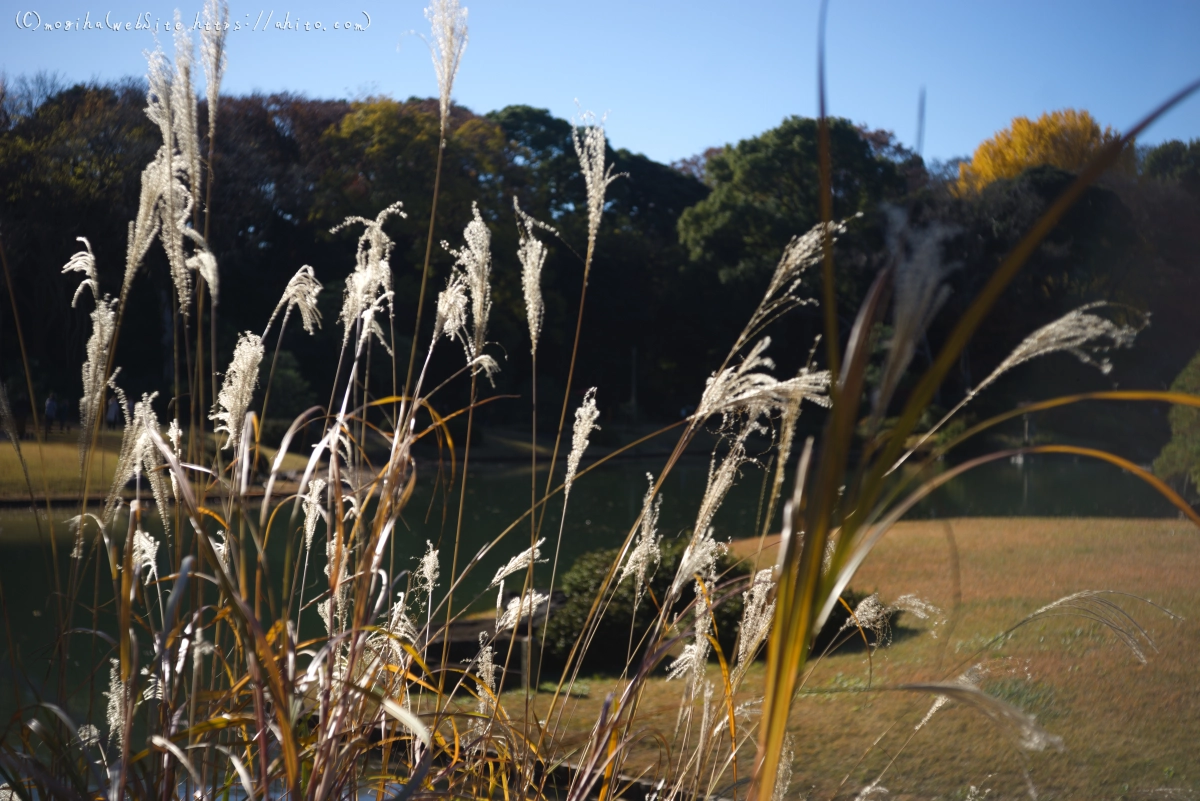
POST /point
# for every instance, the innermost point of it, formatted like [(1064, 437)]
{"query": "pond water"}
[(603, 505)]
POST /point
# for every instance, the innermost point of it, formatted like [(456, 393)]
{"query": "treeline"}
[(684, 252)]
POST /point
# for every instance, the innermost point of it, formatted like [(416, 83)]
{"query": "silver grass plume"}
[(486, 670), (187, 132), (237, 389), (334, 611), (485, 687), (371, 326), (917, 607), (532, 254), (76, 524), (720, 480), (519, 608), (160, 77), (1077, 332), (139, 455), (699, 558), (871, 614), (1021, 726), (1093, 605), (104, 323), (745, 388), (449, 28), (154, 686), (783, 776), (427, 572), (694, 657), (204, 262), (115, 710), (312, 510), (700, 555), (475, 259), (144, 227), (166, 200), (585, 424), (919, 291), (175, 437), (646, 551), (212, 54), (145, 554), (83, 262), (372, 276), (590, 148), (451, 319), (518, 562), (758, 610), (300, 293), (223, 550), (801, 253), (399, 625), (158, 176), (178, 124), (88, 736)]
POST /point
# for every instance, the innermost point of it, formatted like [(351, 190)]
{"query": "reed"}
[(212, 689)]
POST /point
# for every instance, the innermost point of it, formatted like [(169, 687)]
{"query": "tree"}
[(1066, 139), (765, 191), (1181, 456), (1175, 162)]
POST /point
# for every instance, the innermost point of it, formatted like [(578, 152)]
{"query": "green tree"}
[(1175, 162), (765, 191), (71, 165), (1181, 456)]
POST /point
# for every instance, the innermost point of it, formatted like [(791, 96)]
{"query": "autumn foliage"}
[(1066, 139)]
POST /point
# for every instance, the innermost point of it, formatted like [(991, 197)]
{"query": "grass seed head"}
[(585, 424), (590, 146), (449, 28), (301, 293), (212, 54), (237, 390), (532, 254)]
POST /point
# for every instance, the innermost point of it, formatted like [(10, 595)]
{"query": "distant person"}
[(111, 415), (51, 412)]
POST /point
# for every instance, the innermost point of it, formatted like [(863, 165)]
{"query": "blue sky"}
[(677, 77)]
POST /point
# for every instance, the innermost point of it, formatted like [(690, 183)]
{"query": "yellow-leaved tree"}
[(1066, 139)]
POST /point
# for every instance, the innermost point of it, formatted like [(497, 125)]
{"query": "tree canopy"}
[(1181, 456), (1175, 162), (1066, 139), (765, 191), (684, 254)]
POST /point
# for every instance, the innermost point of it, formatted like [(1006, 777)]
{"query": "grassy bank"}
[(1129, 730), (55, 468)]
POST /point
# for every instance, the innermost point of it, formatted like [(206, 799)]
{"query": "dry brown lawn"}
[(55, 469), (1129, 730)]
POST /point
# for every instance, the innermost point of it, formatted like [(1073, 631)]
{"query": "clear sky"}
[(676, 77)]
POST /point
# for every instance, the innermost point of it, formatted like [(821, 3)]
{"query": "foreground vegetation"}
[(215, 669)]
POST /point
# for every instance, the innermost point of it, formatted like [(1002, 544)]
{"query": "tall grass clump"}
[(213, 673)]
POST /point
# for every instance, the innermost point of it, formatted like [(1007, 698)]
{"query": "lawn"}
[(55, 468), (1129, 730)]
